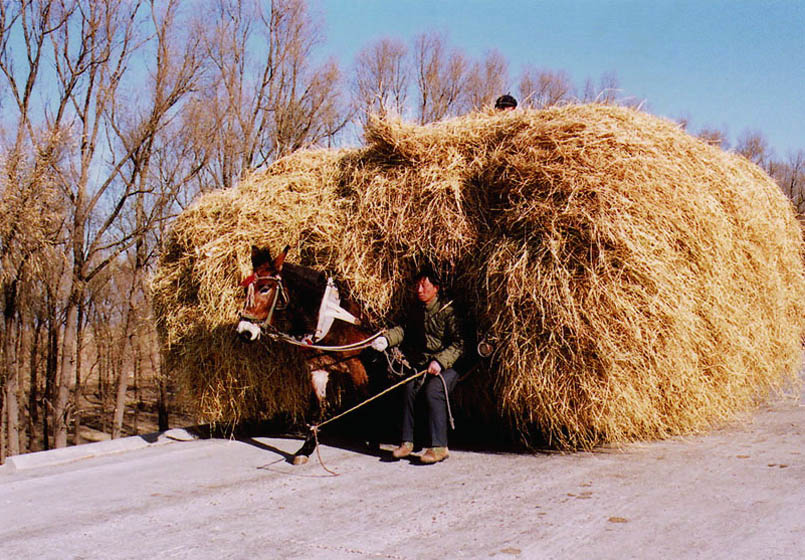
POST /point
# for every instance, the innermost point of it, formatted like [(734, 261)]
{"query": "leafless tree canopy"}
[(115, 115), (263, 97), (441, 77), (382, 78), (714, 137), (790, 175), (543, 88), (753, 146), (486, 81)]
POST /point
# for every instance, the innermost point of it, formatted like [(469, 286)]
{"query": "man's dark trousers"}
[(432, 390)]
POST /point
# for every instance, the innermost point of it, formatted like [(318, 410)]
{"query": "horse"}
[(302, 306)]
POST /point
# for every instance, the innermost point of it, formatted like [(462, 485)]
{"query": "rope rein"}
[(360, 345), (447, 400), (316, 427)]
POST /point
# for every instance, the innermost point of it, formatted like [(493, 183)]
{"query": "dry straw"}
[(639, 282)]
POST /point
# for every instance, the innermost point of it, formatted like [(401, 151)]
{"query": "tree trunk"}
[(2, 431), (122, 380), (10, 402), (33, 387), (137, 366), (103, 390), (162, 399), (61, 409), (123, 377), (51, 368), (12, 407), (79, 337), (21, 353), (120, 403)]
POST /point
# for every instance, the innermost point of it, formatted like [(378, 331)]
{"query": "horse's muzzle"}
[(248, 330)]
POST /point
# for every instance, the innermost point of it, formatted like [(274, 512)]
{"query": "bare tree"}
[(544, 88), (110, 129), (605, 92), (790, 175), (265, 98), (174, 74), (753, 146), (486, 80), (441, 75), (382, 77), (28, 202), (714, 137)]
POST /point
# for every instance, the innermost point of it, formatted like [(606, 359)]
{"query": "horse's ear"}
[(281, 259), (260, 256)]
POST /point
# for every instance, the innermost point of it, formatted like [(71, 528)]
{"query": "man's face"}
[(426, 291)]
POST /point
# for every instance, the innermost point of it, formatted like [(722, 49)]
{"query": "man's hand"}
[(380, 343), (434, 368)]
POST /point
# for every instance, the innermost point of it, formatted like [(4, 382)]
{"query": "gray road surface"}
[(735, 493)]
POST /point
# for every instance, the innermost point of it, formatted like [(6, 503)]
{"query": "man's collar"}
[(433, 304)]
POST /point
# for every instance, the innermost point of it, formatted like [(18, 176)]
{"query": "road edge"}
[(51, 457)]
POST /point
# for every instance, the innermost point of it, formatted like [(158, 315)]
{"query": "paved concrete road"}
[(736, 493)]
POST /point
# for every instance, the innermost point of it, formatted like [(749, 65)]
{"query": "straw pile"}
[(639, 283)]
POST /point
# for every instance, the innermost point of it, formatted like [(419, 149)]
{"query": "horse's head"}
[(265, 293)]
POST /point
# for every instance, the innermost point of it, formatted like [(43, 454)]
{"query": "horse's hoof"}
[(299, 459)]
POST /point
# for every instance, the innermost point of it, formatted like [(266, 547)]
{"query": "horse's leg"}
[(309, 446), (318, 378)]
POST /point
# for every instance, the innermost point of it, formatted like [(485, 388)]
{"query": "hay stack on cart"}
[(638, 282)]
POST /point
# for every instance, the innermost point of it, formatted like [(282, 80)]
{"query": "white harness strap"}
[(330, 310)]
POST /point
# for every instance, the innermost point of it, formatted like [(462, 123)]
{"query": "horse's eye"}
[(265, 289)]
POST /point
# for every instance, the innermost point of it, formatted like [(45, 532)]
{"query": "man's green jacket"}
[(430, 332)]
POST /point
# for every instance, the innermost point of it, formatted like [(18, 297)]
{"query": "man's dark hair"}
[(505, 101), (430, 273)]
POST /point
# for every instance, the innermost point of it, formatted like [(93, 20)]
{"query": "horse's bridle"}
[(278, 303)]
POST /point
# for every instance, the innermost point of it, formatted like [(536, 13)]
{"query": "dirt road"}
[(735, 493)]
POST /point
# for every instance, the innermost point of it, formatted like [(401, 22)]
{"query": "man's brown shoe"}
[(434, 455), (403, 450)]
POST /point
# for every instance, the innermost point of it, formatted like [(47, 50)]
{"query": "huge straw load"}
[(637, 282)]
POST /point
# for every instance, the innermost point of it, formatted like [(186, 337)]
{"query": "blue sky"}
[(733, 64)]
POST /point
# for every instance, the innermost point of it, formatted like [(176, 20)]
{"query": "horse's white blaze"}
[(319, 379), (249, 327)]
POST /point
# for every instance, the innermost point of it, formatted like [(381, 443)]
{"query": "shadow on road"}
[(371, 432)]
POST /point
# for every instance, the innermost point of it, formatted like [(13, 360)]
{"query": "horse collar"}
[(330, 310)]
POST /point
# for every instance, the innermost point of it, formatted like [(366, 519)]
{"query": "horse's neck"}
[(306, 282), (305, 291), (306, 288)]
